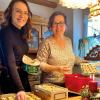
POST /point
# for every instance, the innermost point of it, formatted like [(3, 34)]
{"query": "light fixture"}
[(95, 10), (78, 4)]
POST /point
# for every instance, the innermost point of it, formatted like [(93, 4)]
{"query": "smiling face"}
[(19, 14), (58, 26)]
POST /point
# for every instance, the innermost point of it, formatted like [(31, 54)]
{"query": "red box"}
[(75, 82)]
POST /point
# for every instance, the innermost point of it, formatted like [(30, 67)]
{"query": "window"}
[(94, 26)]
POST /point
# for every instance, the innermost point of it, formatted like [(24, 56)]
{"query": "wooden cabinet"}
[(40, 24)]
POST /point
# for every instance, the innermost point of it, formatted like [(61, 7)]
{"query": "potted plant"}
[(85, 93)]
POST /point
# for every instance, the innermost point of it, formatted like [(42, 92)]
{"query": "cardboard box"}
[(49, 91)]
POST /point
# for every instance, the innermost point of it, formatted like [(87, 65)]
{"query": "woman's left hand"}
[(21, 95)]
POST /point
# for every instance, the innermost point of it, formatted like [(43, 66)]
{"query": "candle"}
[(93, 77), (93, 86), (90, 76)]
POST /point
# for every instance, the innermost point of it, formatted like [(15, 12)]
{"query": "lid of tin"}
[(29, 61)]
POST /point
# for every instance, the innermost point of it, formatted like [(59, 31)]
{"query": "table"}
[(12, 95), (74, 98)]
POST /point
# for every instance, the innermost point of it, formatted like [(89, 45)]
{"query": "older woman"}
[(13, 38), (55, 53)]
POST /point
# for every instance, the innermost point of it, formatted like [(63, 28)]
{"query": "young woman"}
[(13, 38)]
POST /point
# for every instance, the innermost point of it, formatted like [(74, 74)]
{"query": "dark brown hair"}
[(51, 19), (8, 17)]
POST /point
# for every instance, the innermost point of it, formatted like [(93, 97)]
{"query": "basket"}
[(75, 82)]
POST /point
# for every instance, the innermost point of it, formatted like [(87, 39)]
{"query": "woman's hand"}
[(64, 69), (21, 95)]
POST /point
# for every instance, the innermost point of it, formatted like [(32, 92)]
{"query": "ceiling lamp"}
[(77, 4), (95, 10)]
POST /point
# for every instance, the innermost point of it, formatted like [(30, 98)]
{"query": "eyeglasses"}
[(60, 24)]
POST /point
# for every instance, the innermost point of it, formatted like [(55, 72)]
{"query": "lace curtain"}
[(86, 44)]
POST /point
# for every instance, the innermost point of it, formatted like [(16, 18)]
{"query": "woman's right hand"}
[(21, 95)]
